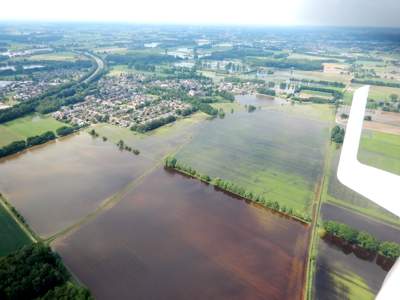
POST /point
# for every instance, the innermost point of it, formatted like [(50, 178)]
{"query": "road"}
[(100, 65)]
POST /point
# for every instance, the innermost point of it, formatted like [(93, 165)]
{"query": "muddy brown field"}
[(174, 237)]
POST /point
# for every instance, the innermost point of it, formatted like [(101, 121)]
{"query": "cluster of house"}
[(24, 90), (119, 100), (59, 76)]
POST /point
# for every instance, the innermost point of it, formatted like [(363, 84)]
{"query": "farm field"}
[(156, 143), (307, 110), (377, 92), (347, 271), (8, 136), (215, 245), (56, 184), (32, 124), (316, 93), (65, 56), (336, 193), (11, 235), (264, 152)]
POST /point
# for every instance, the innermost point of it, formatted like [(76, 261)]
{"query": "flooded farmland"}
[(174, 237), (381, 231), (60, 182), (347, 271)]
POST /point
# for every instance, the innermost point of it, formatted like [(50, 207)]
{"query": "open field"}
[(11, 235), (310, 57), (346, 271), (316, 93), (215, 245), (321, 112), (33, 124), (156, 143), (336, 193), (56, 184), (277, 155), (68, 56), (8, 136), (377, 92)]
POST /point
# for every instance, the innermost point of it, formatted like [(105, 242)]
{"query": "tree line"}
[(156, 123), (265, 91), (299, 64), (35, 272), (140, 58), (171, 162), (236, 53), (17, 146), (336, 94), (364, 239), (321, 82), (376, 82)]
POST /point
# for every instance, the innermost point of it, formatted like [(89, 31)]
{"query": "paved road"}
[(100, 66)]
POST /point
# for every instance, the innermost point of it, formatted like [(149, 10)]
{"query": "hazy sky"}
[(305, 12)]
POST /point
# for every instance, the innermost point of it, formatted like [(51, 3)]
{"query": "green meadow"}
[(30, 125), (316, 93), (277, 155), (380, 150), (11, 235)]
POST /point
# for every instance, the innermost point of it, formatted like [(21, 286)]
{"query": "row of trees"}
[(321, 82), (336, 94), (171, 162), (299, 64), (17, 146), (364, 239), (32, 272), (153, 124), (40, 139), (376, 82), (227, 95), (121, 144), (265, 91)]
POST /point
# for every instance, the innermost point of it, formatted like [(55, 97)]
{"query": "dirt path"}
[(308, 272)]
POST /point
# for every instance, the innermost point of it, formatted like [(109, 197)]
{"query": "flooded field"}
[(259, 101), (174, 237), (277, 155), (381, 231), (343, 195), (60, 182), (346, 271)]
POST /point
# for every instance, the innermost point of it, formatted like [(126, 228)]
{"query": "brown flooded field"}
[(361, 223), (56, 184), (347, 271), (174, 237)]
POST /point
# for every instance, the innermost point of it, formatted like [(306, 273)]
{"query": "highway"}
[(100, 65)]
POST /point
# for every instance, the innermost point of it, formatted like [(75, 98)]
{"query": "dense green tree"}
[(368, 241), (64, 130)]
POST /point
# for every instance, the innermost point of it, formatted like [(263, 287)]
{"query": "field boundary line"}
[(96, 211)]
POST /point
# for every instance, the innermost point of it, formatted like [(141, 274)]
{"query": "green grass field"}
[(31, 125), (380, 150), (321, 112), (68, 56), (11, 235), (156, 143), (377, 92), (277, 155), (316, 93)]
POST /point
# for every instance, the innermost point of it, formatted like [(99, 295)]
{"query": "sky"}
[(381, 13)]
